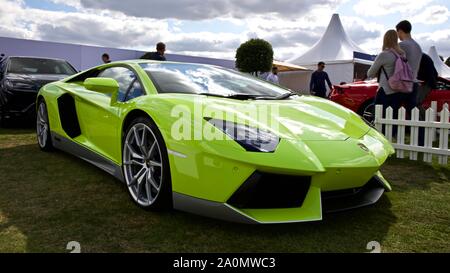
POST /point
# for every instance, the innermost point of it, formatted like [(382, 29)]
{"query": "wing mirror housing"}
[(105, 86)]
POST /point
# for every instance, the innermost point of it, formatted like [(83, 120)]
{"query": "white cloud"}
[(207, 9), (433, 15), (375, 8), (440, 39), (290, 36)]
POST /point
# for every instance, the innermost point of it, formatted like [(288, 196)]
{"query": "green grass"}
[(49, 199)]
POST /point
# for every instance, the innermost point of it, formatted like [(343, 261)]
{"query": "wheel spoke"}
[(139, 181), (153, 183), (41, 110), (134, 154), (155, 163), (136, 177), (152, 149), (149, 193), (139, 141), (144, 134), (142, 176), (134, 162)]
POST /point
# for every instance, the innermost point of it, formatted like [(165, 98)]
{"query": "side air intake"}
[(68, 115)]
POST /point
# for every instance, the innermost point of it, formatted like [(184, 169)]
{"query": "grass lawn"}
[(49, 199)]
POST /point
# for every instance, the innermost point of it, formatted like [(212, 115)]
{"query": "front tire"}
[(369, 112), (43, 128), (146, 165)]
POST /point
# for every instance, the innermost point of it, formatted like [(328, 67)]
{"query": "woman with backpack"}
[(394, 74)]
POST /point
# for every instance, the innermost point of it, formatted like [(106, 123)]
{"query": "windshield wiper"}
[(281, 97), (250, 97), (232, 96), (285, 96)]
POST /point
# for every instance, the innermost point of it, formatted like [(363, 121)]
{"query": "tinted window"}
[(195, 79), (125, 77), (135, 91), (39, 66)]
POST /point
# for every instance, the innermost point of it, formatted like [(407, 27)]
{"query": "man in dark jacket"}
[(319, 77), (428, 75), (158, 55)]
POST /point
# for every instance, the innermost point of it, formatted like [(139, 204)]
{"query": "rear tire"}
[(146, 165), (43, 128)]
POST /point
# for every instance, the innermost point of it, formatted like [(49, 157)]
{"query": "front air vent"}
[(268, 191)]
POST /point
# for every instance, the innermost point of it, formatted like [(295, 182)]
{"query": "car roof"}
[(142, 61), (31, 57)]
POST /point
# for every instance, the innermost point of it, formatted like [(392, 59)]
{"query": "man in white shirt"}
[(273, 77)]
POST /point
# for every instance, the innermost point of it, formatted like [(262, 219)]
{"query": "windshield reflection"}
[(204, 79)]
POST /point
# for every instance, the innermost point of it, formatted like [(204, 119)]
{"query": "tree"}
[(447, 62), (254, 56)]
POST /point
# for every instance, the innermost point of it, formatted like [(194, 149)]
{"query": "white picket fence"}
[(436, 127)]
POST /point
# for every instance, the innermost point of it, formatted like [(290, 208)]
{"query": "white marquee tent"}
[(345, 60), (442, 69)]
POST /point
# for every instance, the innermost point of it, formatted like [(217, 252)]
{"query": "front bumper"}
[(15, 103), (311, 207), (218, 182)]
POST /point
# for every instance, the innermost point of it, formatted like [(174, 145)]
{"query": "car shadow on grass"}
[(17, 126), (49, 199)]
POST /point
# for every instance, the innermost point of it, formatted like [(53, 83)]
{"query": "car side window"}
[(124, 77), (135, 91)]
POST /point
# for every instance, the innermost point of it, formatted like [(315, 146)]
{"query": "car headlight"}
[(18, 85), (250, 138), (9, 84)]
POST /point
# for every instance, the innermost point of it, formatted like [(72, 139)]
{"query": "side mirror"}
[(103, 85)]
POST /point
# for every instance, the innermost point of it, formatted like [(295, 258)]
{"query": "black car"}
[(20, 80)]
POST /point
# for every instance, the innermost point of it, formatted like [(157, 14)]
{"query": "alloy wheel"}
[(143, 164), (42, 125)]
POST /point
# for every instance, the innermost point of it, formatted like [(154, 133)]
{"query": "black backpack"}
[(427, 71)]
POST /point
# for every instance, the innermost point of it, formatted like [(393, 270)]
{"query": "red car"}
[(360, 96)]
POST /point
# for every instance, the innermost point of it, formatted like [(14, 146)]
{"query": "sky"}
[(216, 28)]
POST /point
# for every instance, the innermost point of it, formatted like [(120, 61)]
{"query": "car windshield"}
[(40, 66), (204, 79)]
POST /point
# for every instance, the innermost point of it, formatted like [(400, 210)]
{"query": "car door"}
[(98, 117)]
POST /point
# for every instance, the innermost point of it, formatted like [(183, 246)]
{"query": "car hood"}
[(303, 118), (38, 80)]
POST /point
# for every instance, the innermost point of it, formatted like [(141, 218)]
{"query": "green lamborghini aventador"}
[(214, 142)]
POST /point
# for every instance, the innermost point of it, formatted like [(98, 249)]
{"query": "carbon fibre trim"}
[(209, 209), (86, 154), (337, 201)]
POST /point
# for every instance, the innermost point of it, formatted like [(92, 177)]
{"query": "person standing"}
[(428, 75), (105, 58), (413, 53), (159, 55), (319, 77), (383, 68), (273, 77)]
